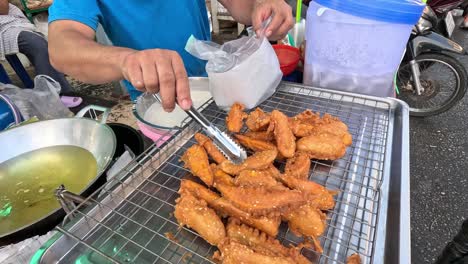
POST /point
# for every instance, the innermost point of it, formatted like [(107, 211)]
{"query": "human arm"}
[(254, 12), (4, 7), (72, 50)]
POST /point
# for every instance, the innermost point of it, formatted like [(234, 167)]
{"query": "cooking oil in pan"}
[(28, 182)]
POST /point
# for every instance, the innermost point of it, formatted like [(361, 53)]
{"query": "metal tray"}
[(131, 219)]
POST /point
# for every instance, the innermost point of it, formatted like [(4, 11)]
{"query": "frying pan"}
[(91, 135)]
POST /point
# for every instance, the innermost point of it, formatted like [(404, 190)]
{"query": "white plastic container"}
[(353, 49)]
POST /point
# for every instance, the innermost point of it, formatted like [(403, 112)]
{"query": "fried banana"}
[(298, 166), (307, 221), (258, 120), (285, 140), (254, 144), (261, 242), (261, 201), (258, 161), (210, 148), (196, 159), (195, 214), (232, 252), (324, 146), (269, 225), (220, 177), (235, 118), (335, 126), (303, 124), (257, 178), (260, 135), (308, 123), (318, 194), (354, 259)]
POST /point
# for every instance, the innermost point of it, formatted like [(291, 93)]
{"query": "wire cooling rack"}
[(132, 218)]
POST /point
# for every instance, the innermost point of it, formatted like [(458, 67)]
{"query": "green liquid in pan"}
[(28, 182)]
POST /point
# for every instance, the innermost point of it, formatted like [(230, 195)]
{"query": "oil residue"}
[(28, 182)]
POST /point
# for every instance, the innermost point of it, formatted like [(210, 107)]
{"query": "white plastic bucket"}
[(353, 53)]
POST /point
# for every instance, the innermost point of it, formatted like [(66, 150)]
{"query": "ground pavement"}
[(439, 176)]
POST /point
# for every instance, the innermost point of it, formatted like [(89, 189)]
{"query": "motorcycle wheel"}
[(443, 79)]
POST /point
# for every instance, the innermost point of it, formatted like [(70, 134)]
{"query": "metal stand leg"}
[(20, 71), (68, 199), (4, 78), (456, 251), (214, 16)]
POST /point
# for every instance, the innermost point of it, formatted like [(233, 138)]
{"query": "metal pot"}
[(91, 135), (127, 136)]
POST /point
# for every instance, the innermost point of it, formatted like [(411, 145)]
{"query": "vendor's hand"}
[(282, 20), (159, 70)]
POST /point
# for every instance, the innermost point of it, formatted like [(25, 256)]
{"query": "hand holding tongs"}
[(224, 142)]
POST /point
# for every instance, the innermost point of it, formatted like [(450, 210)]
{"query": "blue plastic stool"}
[(19, 69)]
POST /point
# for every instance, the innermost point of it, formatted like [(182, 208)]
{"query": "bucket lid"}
[(392, 11)]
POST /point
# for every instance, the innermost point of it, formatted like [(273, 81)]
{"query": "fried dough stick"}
[(196, 159), (210, 148), (285, 140), (261, 242), (258, 161), (258, 120), (269, 225), (235, 118), (195, 214)]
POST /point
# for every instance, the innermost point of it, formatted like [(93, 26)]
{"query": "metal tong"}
[(223, 141)]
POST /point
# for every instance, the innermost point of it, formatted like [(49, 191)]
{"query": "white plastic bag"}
[(43, 101), (244, 70), (41, 22)]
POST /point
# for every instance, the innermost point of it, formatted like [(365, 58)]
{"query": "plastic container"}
[(159, 125), (288, 58), (357, 46), (9, 113)]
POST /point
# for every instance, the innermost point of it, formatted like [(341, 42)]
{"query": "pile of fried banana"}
[(255, 196)]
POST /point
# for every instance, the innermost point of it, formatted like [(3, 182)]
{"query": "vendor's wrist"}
[(124, 56)]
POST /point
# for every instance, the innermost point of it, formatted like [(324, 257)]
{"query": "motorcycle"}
[(442, 13), (430, 80)]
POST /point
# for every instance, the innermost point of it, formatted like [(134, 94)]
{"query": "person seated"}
[(18, 35)]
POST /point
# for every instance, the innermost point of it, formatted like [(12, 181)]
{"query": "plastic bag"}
[(244, 70), (43, 101), (41, 22)]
